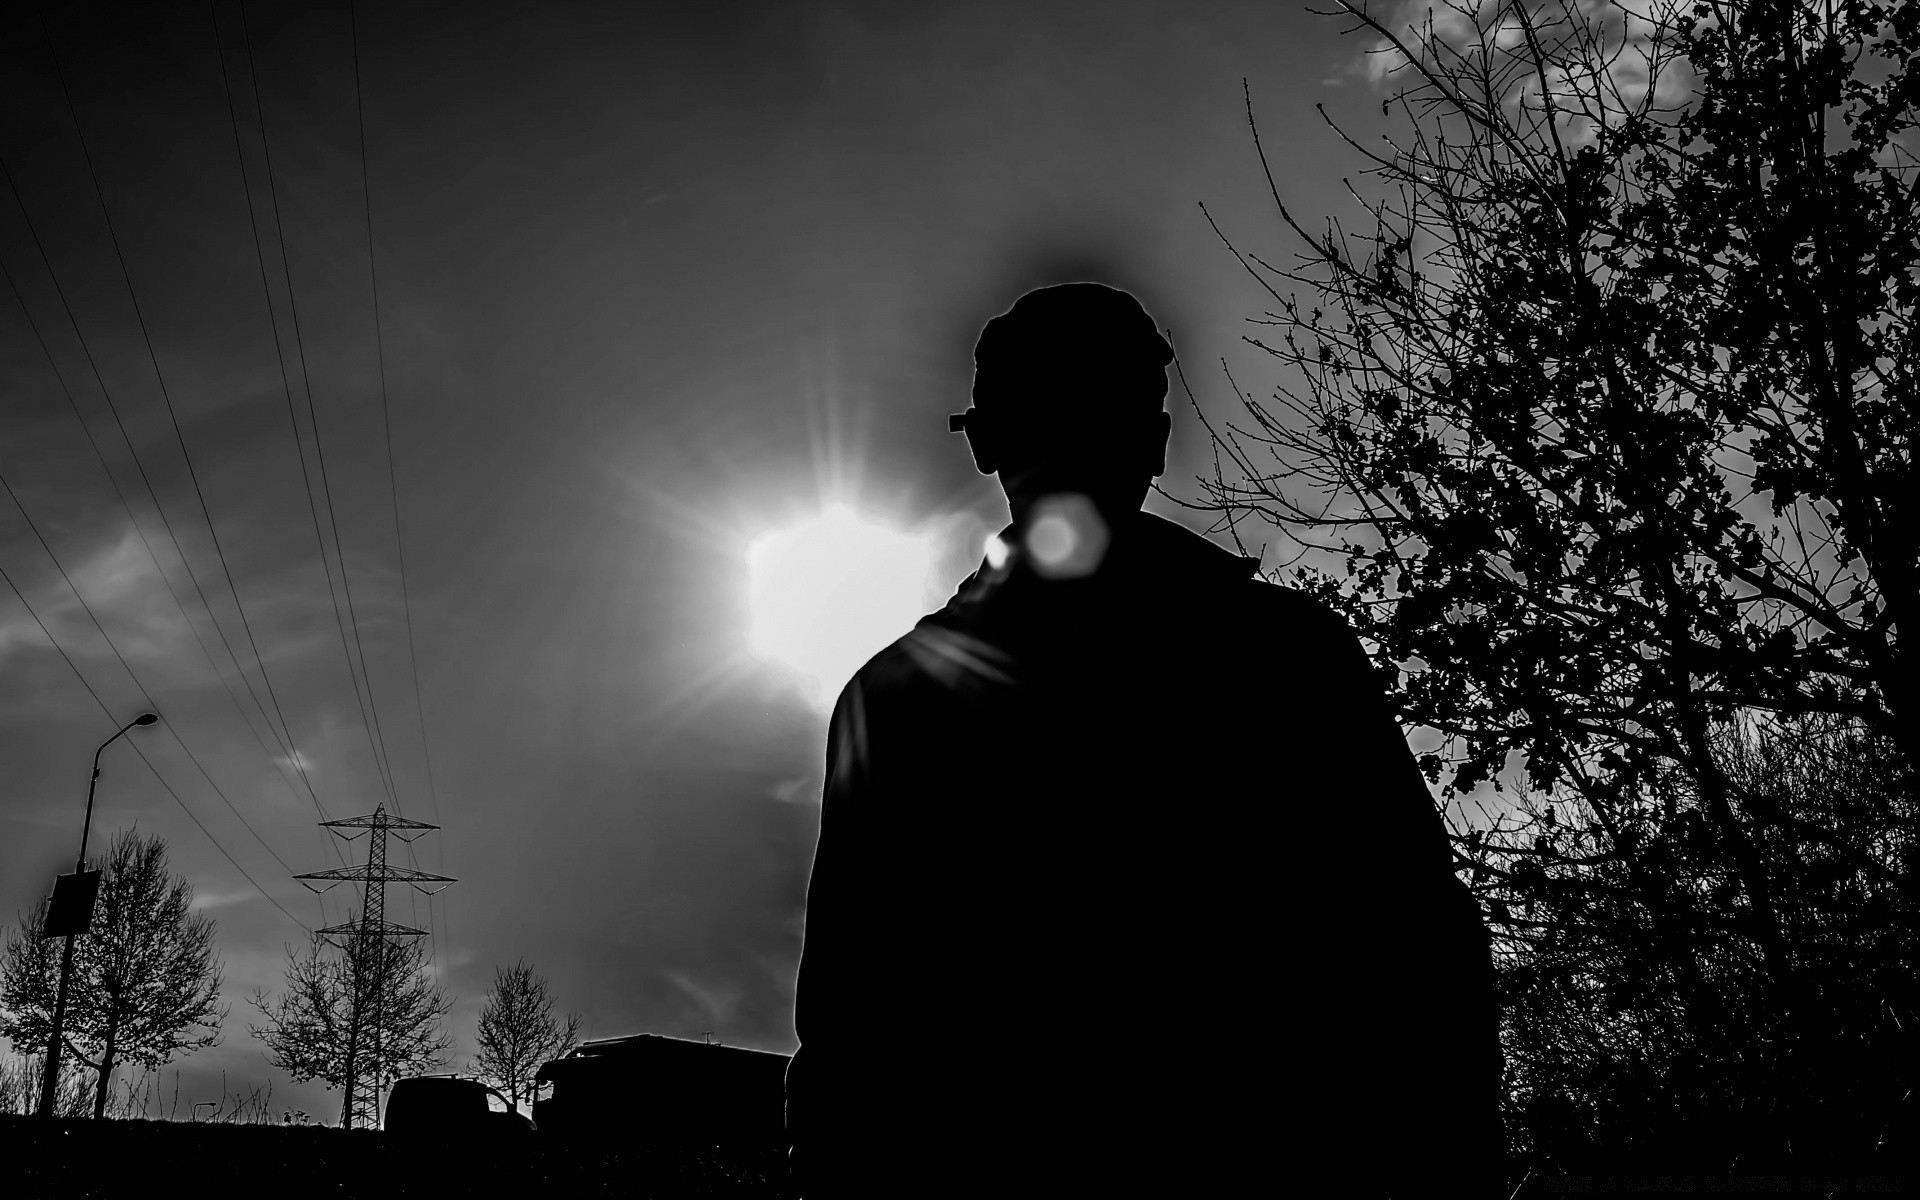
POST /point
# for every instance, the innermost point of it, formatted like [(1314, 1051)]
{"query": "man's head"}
[(1068, 388)]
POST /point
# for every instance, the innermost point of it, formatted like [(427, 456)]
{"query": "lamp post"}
[(75, 923)]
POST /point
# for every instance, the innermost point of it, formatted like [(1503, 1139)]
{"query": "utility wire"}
[(160, 378), (369, 722), (380, 353), (386, 420), (128, 668), (273, 321), (143, 756), (386, 426), (126, 506), (147, 482), (233, 697), (165, 395)]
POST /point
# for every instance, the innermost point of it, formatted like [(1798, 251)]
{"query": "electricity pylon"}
[(364, 943)]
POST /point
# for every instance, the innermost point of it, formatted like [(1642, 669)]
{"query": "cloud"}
[(717, 1004), (18, 629), (209, 899), (118, 586), (297, 762), (1595, 59), (112, 581)]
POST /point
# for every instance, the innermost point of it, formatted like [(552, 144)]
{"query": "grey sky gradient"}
[(653, 279)]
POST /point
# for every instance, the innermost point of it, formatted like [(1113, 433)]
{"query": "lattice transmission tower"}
[(365, 944)]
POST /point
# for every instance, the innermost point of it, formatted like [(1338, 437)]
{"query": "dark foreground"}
[(123, 1158), (120, 1158)]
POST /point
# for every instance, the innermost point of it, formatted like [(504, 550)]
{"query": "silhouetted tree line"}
[(146, 989), (1599, 427)]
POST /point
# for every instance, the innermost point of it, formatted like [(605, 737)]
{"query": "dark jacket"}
[(1131, 883)]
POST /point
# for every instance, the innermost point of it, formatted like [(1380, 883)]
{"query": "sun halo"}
[(827, 593)]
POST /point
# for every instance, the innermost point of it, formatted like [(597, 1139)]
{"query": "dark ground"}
[(77, 1158)]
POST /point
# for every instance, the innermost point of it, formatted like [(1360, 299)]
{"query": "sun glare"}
[(825, 594)]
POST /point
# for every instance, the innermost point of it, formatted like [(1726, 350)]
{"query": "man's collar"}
[(1138, 543)]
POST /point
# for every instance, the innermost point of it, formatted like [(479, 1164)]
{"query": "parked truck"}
[(663, 1090)]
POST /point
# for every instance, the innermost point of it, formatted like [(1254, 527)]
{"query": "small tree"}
[(146, 981), (518, 1031), (371, 1007)]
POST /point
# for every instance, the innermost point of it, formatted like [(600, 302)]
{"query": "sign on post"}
[(72, 909)]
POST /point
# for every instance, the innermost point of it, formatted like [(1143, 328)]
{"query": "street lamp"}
[(71, 913)]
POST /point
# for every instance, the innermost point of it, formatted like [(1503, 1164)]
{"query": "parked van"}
[(433, 1107), (663, 1090)]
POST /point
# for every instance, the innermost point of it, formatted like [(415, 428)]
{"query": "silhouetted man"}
[(1127, 883)]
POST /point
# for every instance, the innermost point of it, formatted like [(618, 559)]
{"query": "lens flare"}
[(1052, 540), (826, 594), (1066, 539)]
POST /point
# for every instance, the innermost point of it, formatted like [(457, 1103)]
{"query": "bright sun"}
[(826, 594)]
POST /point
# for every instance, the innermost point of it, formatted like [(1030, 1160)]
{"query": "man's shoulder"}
[(949, 651), (1312, 636), (1207, 573), (1238, 599), (1294, 605), (936, 656)]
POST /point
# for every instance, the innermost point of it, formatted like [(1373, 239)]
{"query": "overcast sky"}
[(653, 280)]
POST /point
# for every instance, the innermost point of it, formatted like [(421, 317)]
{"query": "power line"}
[(128, 667), (166, 396), (383, 752), (386, 422), (159, 508), (206, 652), (379, 346), (127, 507), (273, 321), (209, 833), (369, 723), (21, 596), (386, 426)]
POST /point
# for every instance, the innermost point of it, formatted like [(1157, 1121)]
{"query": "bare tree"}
[(518, 1031), (146, 982), (371, 1005), (1597, 420)]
